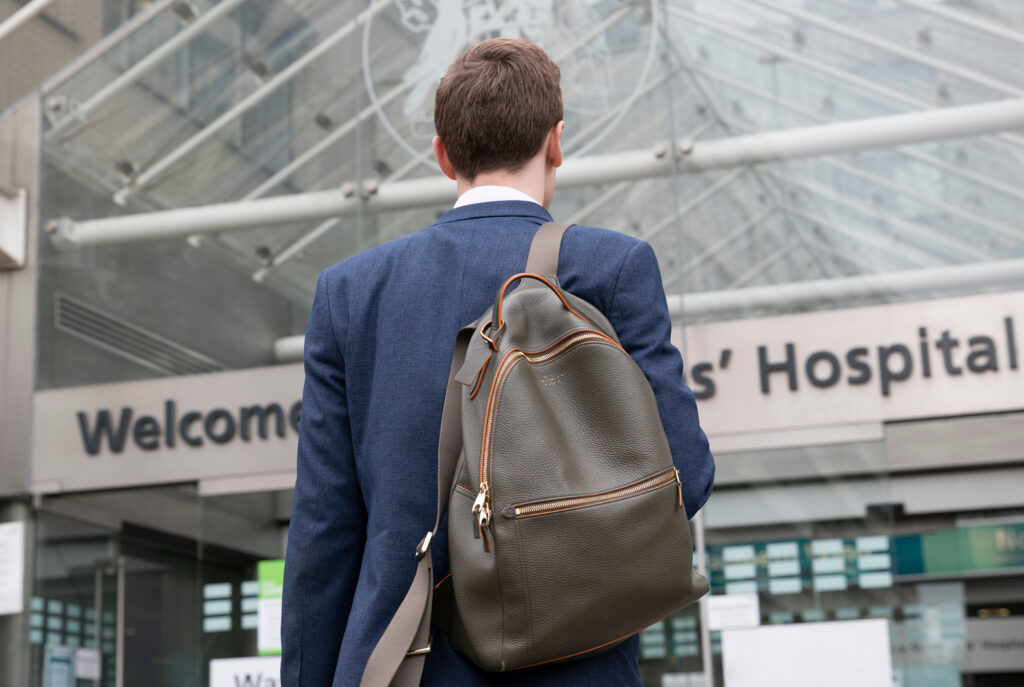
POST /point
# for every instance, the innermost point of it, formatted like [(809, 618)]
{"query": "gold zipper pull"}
[(679, 487), (482, 510)]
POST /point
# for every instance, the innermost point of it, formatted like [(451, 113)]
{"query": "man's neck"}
[(527, 180)]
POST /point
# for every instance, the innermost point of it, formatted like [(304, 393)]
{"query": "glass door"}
[(115, 597)]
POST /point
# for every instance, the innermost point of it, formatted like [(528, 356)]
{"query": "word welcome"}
[(218, 425)]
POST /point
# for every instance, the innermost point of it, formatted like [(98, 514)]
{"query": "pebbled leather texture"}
[(566, 584)]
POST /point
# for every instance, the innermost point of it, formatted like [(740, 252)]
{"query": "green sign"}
[(965, 549), (270, 575)]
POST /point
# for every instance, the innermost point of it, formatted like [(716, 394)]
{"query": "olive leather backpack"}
[(566, 527)]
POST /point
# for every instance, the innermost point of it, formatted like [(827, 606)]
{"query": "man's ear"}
[(442, 158), (554, 152)]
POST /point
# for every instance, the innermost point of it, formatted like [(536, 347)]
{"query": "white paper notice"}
[(12, 567), (852, 653), (268, 627), (87, 664), (257, 671), (728, 611)]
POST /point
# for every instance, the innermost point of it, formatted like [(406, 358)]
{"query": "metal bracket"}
[(370, 188)]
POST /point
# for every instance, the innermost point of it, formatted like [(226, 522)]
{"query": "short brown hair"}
[(496, 104)]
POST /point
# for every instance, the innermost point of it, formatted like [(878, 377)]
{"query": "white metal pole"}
[(826, 139), (26, 13), (707, 656), (926, 281), (948, 167)]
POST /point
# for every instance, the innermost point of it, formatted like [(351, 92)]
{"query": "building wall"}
[(19, 167)]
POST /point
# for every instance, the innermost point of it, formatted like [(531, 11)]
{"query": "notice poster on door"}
[(58, 666), (268, 628), (12, 567), (254, 671)]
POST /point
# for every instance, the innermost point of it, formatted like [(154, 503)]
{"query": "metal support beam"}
[(878, 132), (713, 251), (706, 194), (612, 193), (965, 19), (825, 69), (762, 266), (426, 156), (909, 283), (22, 16), (721, 304), (925, 236), (100, 47), (1004, 230), (80, 112), (264, 91), (939, 65), (996, 185)]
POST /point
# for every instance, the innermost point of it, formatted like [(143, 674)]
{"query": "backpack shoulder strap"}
[(398, 657), (544, 250)]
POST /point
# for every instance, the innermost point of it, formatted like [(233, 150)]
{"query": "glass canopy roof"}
[(242, 99)]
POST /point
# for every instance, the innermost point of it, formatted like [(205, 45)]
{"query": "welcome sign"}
[(788, 380)]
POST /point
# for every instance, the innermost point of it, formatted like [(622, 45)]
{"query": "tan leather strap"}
[(544, 250)]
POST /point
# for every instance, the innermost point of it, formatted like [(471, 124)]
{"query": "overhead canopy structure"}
[(283, 136)]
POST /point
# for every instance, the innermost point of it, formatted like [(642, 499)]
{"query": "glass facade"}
[(914, 516)]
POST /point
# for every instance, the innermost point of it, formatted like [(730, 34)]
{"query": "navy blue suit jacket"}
[(377, 354)]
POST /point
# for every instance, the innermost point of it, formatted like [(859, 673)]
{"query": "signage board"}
[(270, 574), (87, 664), (12, 567), (254, 671), (58, 668), (178, 429), (839, 654), (810, 378), (995, 645), (731, 611), (933, 358)]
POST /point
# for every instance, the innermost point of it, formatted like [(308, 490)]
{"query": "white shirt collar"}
[(489, 194)]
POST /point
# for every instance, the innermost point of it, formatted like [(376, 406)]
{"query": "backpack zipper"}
[(482, 507), (662, 479)]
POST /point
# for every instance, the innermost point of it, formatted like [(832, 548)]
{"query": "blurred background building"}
[(848, 297)]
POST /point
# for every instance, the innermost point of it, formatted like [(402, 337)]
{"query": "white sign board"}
[(87, 664), (820, 377), (730, 611), (255, 671), (856, 366), (851, 653), (12, 567), (242, 422), (268, 625), (995, 645)]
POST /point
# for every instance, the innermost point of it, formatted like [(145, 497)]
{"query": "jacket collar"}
[(497, 208)]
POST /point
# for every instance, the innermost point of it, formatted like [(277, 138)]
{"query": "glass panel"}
[(237, 532), (127, 563)]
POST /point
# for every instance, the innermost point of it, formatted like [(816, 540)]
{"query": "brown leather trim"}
[(480, 378), (496, 380), (442, 580), (551, 286), (607, 493)]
